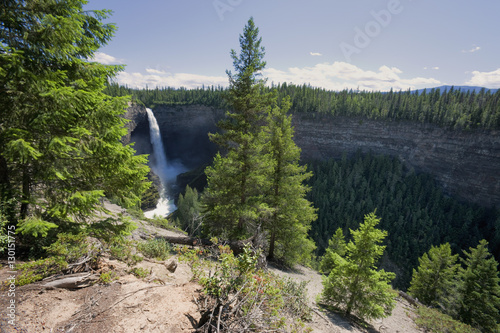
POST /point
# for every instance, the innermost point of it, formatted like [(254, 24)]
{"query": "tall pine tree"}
[(292, 213), (234, 199), (433, 282), (60, 149), (255, 184), (479, 290)]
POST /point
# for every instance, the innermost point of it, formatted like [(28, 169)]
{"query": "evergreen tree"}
[(292, 212), (434, 281), (336, 247), (60, 149), (354, 283), (188, 211), (237, 181), (480, 289)]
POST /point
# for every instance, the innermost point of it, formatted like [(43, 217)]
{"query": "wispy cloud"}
[(485, 79), (317, 54), (434, 68), (342, 75), (157, 78), (334, 76), (155, 71), (106, 59), (474, 49)]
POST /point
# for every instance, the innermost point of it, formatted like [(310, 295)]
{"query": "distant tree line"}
[(451, 108), (413, 209)]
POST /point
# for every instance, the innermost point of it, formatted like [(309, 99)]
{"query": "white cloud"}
[(334, 76), (435, 68), (155, 71), (342, 75), (474, 49), (315, 54), (485, 79), (106, 59), (163, 79)]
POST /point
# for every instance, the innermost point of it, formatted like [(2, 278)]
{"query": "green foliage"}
[(479, 289), (34, 226), (107, 277), (4, 238), (72, 248), (354, 284), (139, 272), (336, 247), (454, 108), (188, 211), (433, 282), (412, 207), (292, 213), (244, 296), (161, 222), (69, 248), (112, 229), (432, 320), (124, 251), (60, 149), (37, 270), (257, 185), (233, 199), (156, 248)]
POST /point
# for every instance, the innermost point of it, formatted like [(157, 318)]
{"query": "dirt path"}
[(398, 322), (127, 305)]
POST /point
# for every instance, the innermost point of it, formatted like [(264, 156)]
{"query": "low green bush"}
[(156, 248), (239, 295), (432, 320)]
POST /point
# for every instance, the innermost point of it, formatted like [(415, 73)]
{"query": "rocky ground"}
[(162, 302)]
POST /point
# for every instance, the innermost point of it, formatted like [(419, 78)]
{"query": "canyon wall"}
[(465, 163), (184, 130)]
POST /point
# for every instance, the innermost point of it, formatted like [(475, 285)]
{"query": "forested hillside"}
[(450, 108), (412, 207)]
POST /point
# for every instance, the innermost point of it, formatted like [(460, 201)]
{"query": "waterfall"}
[(160, 168)]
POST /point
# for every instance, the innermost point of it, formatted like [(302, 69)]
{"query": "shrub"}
[(156, 248), (139, 272), (69, 248), (124, 251), (240, 296), (435, 321), (107, 277)]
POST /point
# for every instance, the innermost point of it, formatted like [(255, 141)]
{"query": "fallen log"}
[(409, 299), (73, 281), (236, 246)]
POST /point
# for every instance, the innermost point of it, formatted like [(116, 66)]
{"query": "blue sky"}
[(370, 44)]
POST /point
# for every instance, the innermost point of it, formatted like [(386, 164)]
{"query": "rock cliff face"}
[(184, 130), (465, 163)]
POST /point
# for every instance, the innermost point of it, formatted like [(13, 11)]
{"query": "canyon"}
[(465, 163)]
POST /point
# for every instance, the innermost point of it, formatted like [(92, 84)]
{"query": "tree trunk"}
[(25, 195), (4, 176), (270, 256)]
